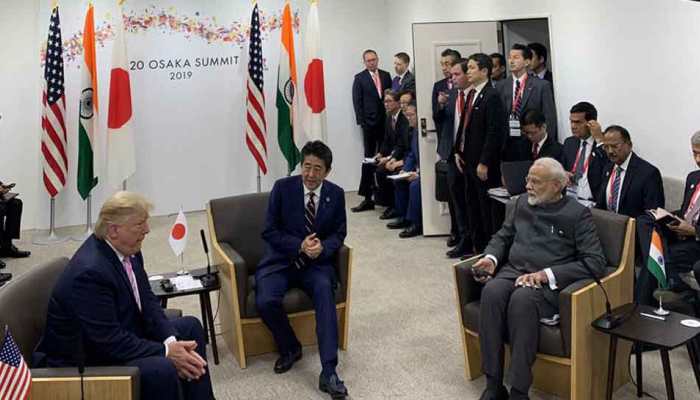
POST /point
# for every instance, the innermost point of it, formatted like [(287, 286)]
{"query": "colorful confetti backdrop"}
[(169, 21)]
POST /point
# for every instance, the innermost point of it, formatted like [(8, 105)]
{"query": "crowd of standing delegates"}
[(486, 116)]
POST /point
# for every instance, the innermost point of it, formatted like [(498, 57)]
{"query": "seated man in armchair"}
[(541, 248)]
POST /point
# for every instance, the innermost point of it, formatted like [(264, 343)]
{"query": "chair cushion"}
[(550, 343), (295, 300), (611, 229)]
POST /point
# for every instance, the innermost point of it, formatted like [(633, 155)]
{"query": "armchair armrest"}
[(240, 269), (468, 289), (565, 299), (343, 268), (50, 382)]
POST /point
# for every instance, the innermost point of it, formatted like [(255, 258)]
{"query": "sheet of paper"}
[(402, 175), (186, 282)]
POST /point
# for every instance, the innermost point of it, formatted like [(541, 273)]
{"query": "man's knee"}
[(158, 372), (495, 291), (265, 301), (523, 300), (323, 288), (190, 327)]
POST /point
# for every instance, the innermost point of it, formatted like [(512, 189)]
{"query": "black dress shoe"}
[(494, 394), (286, 361), (14, 252), (366, 205), (389, 213), (2, 264), (411, 231), (459, 252), (5, 277), (333, 386), (398, 224), (452, 241)]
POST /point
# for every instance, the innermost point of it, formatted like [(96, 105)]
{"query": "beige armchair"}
[(235, 227), (572, 357)]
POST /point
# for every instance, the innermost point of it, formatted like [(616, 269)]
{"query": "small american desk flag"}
[(15, 378)]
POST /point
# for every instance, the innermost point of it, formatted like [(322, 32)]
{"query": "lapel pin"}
[(328, 199)]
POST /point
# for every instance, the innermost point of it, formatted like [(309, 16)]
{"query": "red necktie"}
[(535, 151), (468, 112)]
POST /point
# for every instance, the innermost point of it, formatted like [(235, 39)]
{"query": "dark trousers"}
[(159, 379), (513, 313), (457, 204), (407, 201), (317, 282), (479, 220), (385, 187), (10, 220), (372, 139)]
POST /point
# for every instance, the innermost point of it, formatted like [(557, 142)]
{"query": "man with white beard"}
[(546, 238)]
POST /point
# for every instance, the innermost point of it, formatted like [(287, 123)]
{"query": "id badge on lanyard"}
[(514, 125)]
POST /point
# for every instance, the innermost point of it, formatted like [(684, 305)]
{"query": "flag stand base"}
[(88, 224), (51, 237)]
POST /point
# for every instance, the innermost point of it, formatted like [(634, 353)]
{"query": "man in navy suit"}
[(304, 228), (102, 311), (404, 79)]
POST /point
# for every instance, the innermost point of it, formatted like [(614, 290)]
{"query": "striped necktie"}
[(615, 190), (309, 219)]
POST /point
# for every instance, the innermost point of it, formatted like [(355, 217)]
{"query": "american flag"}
[(15, 378), (53, 138), (256, 127)]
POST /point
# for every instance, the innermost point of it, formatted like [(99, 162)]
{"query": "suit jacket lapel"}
[(629, 177), (368, 77), (321, 205), (529, 82)]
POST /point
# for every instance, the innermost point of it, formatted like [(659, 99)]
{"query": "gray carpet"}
[(404, 334)]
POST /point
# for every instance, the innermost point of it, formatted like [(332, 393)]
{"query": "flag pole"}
[(88, 223), (51, 237), (259, 186), (124, 185)]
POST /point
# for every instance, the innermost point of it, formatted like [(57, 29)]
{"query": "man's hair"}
[(407, 91), (413, 104), (118, 208), (527, 53), (695, 139), (585, 107), (483, 61), (364, 53), (500, 57), (533, 117), (622, 131), (451, 53), (555, 169), (403, 57), (392, 94), (320, 150), (539, 50), (462, 62)]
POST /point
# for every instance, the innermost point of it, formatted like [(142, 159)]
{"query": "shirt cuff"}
[(167, 341), (550, 277), (492, 258)]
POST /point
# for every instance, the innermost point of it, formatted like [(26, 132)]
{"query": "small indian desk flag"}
[(178, 234), (655, 263)]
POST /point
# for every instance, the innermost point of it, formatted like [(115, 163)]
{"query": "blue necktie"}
[(395, 83), (615, 190)]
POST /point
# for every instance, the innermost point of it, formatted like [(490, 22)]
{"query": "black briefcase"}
[(441, 190)]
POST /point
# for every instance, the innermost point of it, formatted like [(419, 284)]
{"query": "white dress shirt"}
[(584, 188)]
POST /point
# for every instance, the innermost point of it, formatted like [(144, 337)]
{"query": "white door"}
[(429, 40)]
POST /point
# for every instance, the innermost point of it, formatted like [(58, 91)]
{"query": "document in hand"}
[(369, 160), (402, 175), (663, 217)]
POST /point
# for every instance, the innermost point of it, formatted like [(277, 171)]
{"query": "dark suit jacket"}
[(521, 150), (548, 77), (396, 142), (412, 160), (408, 82), (285, 227), (595, 166), (691, 181), (369, 107), (641, 190), (445, 118), (94, 296), (439, 86), (484, 133), (538, 95)]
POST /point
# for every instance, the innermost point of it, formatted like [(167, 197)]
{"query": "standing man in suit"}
[(10, 222), (583, 155), (449, 114), (477, 150), (367, 94), (305, 227), (631, 184), (499, 67), (102, 311), (519, 93), (539, 62), (404, 79), (524, 269), (538, 144)]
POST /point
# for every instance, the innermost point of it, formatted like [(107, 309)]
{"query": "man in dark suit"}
[(536, 143), (631, 184), (367, 91), (304, 228), (449, 114), (102, 311), (404, 79), (10, 222), (522, 91), (387, 161), (499, 67), (583, 155), (524, 269), (477, 150), (539, 62)]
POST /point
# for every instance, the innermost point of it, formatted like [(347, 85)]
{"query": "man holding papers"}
[(10, 217)]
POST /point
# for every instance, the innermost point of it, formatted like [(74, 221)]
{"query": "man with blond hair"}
[(102, 311), (542, 247)]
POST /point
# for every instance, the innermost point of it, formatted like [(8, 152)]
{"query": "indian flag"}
[(655, 263), (286, 92), (87, 123)]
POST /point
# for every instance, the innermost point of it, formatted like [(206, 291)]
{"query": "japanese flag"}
[(178, 234)]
